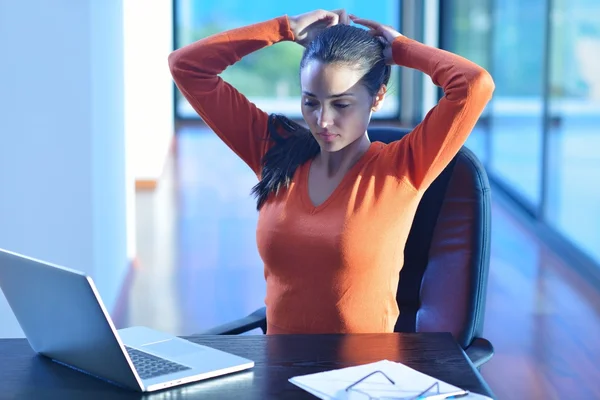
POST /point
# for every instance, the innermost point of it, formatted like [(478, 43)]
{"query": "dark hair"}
[(294, 144)]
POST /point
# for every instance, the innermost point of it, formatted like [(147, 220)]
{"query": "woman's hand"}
[(308, 25), (385, 33)]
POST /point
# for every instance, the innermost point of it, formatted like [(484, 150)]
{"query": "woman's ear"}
[(378, 99)]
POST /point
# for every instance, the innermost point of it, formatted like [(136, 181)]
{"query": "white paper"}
[(332, 385)]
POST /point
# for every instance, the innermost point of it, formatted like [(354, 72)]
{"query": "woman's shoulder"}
[(382, 162)]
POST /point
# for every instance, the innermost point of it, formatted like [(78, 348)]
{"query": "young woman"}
[(335, 209)]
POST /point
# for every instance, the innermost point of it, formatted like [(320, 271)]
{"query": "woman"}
[(335, 209)]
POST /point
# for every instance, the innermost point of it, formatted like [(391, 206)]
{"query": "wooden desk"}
[(24, 375)]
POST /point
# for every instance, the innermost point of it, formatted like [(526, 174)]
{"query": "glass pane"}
[(466, 31), (269, 77), (573, 203), (517, 107)]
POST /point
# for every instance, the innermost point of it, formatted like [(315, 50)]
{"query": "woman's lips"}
[(327, 136)]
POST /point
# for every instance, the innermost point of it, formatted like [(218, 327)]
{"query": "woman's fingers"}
[(343, 17), (366, 22), (383, 40), (332, 17), (374, 32), (375, 28), (384, 30)]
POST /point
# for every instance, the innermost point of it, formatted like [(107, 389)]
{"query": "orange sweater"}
[(335, 268)]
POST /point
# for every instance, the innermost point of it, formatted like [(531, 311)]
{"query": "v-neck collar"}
[(348, 177)]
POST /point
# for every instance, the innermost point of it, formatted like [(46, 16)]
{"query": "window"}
[(466, 30), (541, 142), (517, 119), (573, 205), (269, 77)]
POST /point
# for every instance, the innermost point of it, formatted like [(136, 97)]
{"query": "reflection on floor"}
[(198, 267)]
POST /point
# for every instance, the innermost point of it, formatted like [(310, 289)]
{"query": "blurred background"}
[(105, 168)]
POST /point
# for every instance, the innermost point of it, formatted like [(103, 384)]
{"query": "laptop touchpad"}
[(172, 348)]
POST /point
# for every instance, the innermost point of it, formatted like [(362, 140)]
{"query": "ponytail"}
[(294, 145)]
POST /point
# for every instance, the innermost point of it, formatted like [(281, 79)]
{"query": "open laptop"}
[(63, 318)]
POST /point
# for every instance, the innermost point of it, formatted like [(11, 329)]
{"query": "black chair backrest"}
[(443, 282)]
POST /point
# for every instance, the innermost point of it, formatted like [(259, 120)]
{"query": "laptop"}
[(64, 319)]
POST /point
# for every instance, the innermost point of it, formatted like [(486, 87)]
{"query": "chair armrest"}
[(258, 319), (480, 351)]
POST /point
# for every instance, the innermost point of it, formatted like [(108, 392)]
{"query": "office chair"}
[(443, 283)]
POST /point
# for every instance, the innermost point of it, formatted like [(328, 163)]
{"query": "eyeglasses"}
[(369, 388)]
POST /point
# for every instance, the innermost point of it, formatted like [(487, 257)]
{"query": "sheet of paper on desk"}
[(331, 385)]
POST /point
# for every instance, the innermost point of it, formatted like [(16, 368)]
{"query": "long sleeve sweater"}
[(334, 268)]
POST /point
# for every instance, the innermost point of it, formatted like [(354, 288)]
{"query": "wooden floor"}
[(198, 267)]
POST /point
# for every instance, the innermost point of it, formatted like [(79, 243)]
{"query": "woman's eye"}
[(312, 104)]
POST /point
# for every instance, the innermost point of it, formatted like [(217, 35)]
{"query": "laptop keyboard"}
[(150, 366)]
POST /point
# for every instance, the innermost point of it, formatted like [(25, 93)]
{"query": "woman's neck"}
[(341, 161)]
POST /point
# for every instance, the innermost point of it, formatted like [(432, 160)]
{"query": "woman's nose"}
[(323, 119)]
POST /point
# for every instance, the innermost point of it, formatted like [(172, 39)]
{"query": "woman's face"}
[(335, 105)]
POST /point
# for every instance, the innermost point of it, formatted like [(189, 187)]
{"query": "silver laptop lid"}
[(63, 317)]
